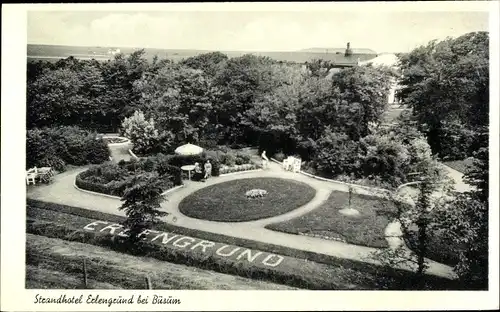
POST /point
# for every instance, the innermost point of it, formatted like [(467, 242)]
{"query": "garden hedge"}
[(58, 147), (113, 179)]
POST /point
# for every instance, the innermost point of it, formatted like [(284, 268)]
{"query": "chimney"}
[(348, 51)]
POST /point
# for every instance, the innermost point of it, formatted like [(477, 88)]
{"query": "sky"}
[(390, 31)]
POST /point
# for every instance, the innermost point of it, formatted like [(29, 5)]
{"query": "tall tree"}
[(241, 80), (467, 223), (141, 203), (447, 81), (366, 89), (209, 63), (66, 97), (179, 99), (119, 75)]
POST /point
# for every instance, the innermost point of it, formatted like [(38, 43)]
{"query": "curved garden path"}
[(62, 191)]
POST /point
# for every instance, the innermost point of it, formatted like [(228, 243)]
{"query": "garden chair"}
[(31, 176), (287, 164), (296, 165)]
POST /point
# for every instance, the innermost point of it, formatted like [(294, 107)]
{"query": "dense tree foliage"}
[(328, 118), (446, 84)]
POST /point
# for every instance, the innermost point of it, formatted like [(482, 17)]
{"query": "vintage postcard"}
[(250, 156)]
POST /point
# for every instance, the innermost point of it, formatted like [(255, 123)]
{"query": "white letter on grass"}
[(248, 253), (204, 244), (265, 261), (219, 251), (112, 228), (89, 227), (166, 239), (176, 243)]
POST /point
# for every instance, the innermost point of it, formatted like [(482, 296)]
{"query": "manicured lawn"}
[(365, 229), (459, 165), (227, 201)]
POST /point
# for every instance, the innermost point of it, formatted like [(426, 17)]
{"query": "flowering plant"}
[(255, 193)]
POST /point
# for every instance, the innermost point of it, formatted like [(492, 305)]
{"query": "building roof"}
[(338, 58), (341, 50), (389, 59)]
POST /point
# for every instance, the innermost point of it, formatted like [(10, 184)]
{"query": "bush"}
[(227, 159), (457, 142), (82, 181), (160, 163), (242, 159), (239, 168), (336, 154), (141, 132), (279, 156)]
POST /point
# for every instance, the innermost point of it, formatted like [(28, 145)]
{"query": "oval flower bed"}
[(228, 201), (113, 179)]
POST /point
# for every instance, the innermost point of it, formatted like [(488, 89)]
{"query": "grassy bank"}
[(58, 264), (334, 273)]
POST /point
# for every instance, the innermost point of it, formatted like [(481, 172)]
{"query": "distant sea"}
[(55, 52)]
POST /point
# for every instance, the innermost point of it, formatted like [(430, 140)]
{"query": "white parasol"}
[(188, 149)]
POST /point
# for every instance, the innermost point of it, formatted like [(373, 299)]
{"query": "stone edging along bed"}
[(239, 172)]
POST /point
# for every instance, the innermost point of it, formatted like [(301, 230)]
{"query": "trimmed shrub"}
[(113, 179)]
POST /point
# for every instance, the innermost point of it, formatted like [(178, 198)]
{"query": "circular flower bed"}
[(256, 193), (228, 201)]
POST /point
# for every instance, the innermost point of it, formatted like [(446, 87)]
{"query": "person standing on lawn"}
[(265, 160), (208, 169)]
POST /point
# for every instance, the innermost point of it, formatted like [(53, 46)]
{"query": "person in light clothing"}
[(265, 160), (208, 169)]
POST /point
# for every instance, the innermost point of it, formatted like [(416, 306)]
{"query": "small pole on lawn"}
[(148, 283), (85, 273)]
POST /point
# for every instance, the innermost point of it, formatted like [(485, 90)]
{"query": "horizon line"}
[(205, 50)]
